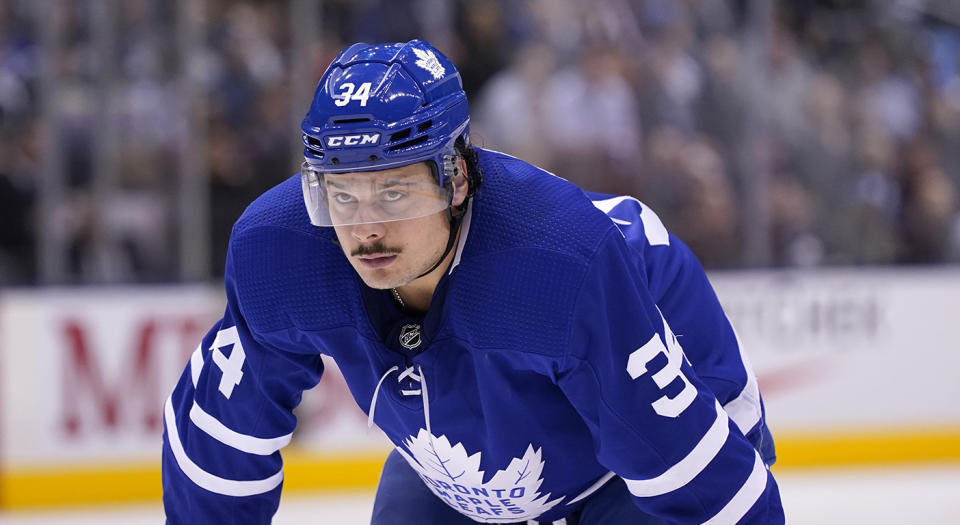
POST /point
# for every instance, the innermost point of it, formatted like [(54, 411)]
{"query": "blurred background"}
[(807, 150), (798, 133)]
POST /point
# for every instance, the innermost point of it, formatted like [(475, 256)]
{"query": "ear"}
[(459, 181)]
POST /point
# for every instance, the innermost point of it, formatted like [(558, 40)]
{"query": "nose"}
[(368, 232)]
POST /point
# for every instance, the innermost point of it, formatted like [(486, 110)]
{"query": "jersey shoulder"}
[(531, 240), (664, 257), (638, 223), (286, 272), (279, 207), (523, 207)]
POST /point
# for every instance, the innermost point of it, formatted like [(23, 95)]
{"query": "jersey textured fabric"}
[(572, 340)]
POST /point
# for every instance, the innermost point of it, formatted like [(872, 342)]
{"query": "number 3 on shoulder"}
[(641, 357), (347, 94)]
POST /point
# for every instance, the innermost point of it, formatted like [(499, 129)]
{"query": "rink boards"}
[(856, 367)]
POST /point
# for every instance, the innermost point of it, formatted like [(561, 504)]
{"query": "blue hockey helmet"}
[(378, 107)]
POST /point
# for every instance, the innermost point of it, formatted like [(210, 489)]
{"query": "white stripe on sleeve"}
[(204, 479), (687, 468), (242, 442), (744, 410), (593, 488), (196, 365), (748, 494)]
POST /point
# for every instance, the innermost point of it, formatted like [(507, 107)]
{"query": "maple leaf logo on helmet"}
[(427, 60)]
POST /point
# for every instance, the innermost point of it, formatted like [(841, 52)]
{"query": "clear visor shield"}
[(343, 199)]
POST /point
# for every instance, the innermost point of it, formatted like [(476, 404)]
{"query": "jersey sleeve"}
[(655, 423), (227, 419), (679, 287)]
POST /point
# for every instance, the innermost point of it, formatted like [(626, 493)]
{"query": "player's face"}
[(391, 254)]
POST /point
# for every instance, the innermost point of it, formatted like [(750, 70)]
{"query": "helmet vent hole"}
[(312, 143), (352, 120), (424, 126), (335, 161), (410, 143), (400, 135)]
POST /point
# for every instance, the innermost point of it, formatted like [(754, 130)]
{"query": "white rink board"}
[(84, 372), (851, 348)]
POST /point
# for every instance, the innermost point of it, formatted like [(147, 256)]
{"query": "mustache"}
[(375, 248)]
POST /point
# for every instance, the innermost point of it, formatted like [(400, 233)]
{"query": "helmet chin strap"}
[(451, 169), (455, 222)]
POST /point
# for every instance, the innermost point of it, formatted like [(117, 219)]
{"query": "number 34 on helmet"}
[(379, 107)]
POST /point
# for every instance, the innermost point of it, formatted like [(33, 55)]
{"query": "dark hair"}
[(472, 159)]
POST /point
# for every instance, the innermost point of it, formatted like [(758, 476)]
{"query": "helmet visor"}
[(343, 199)]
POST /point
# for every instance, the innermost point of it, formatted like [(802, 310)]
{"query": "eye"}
[(393, 195), (343, 198)]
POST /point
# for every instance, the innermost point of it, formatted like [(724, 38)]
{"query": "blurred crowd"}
[(828, 130)]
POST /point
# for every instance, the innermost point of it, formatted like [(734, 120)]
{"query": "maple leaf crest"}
[(428, 60), (511, 495)]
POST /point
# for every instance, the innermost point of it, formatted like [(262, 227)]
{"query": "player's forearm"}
[(206, 477)]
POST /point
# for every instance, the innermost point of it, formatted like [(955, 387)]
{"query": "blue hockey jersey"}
[(573, 339)]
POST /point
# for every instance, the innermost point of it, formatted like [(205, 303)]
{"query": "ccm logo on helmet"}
[(362, 139)]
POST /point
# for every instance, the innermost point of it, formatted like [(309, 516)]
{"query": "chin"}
[(382, 282), (378, 285)]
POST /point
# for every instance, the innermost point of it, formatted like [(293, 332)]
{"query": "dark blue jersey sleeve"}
[(227, 419), (655, 423), (679, 287)]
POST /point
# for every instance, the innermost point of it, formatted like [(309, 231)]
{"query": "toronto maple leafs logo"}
[(428, 60), (511, 495)]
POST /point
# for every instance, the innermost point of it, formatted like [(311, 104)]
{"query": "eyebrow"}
[(385, 184), (395, 182)]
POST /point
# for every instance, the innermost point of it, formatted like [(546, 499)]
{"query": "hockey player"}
[(536, 353)]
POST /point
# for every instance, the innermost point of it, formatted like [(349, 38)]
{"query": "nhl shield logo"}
[(410, 336)]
